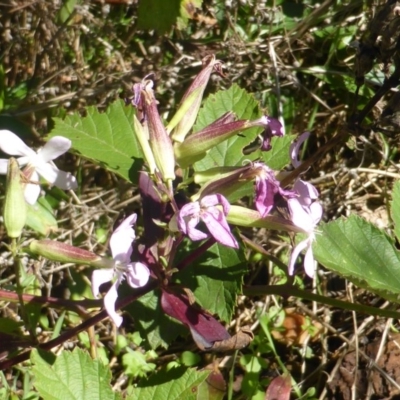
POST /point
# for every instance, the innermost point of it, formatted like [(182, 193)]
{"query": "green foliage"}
[(179, 383), (215, 278), (158, 14), (364, 254), (395, 209), (74, 374), (106, 138)]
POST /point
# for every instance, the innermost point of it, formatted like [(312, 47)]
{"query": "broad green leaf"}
[(154, 325), (230, 152), (395, 209), (40, 218), (74, 375), (158, 14), (215, 279), (175, 384), (360, 252), (107, 138)]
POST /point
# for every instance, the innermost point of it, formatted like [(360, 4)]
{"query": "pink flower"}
[(40, 163), (267, 186), (136, 273), (305, 217), (295, 149), (213, 217)]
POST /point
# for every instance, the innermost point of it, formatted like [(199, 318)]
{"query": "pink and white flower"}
[(37, 163), (136, 273)]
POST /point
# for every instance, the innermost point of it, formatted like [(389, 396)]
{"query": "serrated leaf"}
[(107, 138), (362, 253), (175, 384), (73, 374), (395, 209), (158, 14), (215, 279), (230, 152), (153, 323)]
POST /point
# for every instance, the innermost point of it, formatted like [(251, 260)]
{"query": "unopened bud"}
[(191, 100), (62, 252), (15, 207)]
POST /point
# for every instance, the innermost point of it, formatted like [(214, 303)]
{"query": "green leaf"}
[(395, 209), (175, 384), (278, 157), (73, 374), (230, 152), (107, 138), (153, 323), (158, 14), (215, 279), (40, 218), (360, 252)]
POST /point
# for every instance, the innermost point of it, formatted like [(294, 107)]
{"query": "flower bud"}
[(15, 207), (58, 251), (242, 216), (143, 139), (160, 142), (191, 100)]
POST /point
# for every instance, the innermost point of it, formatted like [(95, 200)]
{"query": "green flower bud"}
[(242, 216), (58, 251), (15, 207), (191, 100)]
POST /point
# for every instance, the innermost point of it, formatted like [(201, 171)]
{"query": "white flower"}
[(136, 273), (40, 163)]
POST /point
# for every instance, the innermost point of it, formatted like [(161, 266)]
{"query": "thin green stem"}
[(288, 290)]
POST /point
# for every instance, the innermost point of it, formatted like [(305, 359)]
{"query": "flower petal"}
[(214, 199), (11, 144), (100, 276), (218, 227), (299, 216), (3, 166), (54, 148), (295, 253), (109, 303), (32, 190), (309, 264), (61, 179), (137, 274), (186, 214), (122, 238), (295, 149)]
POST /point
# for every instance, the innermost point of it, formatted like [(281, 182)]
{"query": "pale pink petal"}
[(3, 166), (109, 303), (32, 190), (186, 215), (306, 191), (219, 228), (54, 148), (11, 144), (214, 199), (309, 264), (192, 232), (100, 276), (316, 212), (137, 274), (299, 216), (61, 179), (295, 253), (122, 238)]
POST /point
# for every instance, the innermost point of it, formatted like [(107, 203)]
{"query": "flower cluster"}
[(167, 218)]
